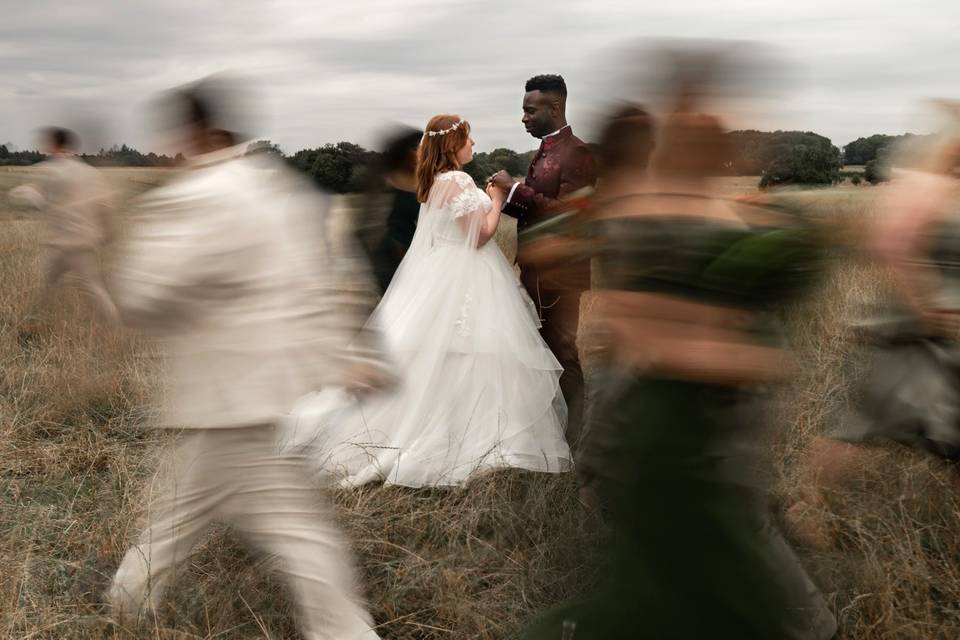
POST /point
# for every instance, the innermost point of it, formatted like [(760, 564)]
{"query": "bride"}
[(479, 389)]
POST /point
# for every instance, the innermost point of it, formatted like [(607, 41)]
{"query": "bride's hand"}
[(494, 192)]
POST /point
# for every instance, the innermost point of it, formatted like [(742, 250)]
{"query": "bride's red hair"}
[(439, 153)]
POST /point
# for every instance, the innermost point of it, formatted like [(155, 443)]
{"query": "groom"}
[(562, 166)]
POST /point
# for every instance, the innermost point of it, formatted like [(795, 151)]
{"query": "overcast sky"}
[(333, 71)]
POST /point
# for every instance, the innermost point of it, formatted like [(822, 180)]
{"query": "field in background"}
[(478, 563)]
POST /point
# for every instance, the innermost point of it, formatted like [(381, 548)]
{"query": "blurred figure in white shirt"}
[(77, 222), (234, 264)]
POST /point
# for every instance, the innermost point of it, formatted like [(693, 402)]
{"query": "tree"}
[(9, 157), (341, 167), (876, 171), (803, 164), (124, 156), (786, 157), (264, 146), (856, 181), (782, 157), (485, 164), (480, 168), (863, 150), (509, 161)]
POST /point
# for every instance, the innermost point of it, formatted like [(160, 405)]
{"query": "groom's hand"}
[(502, 180)]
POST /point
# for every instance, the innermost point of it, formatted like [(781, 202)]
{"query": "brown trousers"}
[(560, 315)]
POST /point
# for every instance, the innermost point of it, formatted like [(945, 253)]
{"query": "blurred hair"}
[(60, 138), (548, 84), (216, 103), (691, 145), (399, 150), (439, 153), (626, 140)]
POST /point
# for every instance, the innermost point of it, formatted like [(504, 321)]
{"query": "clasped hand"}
[(501, 181)]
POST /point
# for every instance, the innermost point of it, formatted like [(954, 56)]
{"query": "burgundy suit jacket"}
[(563, 164)]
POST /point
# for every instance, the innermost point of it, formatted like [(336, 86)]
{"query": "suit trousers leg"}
[(239, 475), (561, 320), (86, 265), (279, 510), (190, 492), (56, 264)]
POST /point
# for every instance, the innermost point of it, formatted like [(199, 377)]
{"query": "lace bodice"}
[(453, 198)]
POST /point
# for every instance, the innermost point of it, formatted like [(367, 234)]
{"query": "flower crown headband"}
[(443, 132)]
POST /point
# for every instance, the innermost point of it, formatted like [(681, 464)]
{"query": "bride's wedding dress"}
[(478, 387)]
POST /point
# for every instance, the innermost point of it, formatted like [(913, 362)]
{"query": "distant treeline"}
[(18, 158), (875, 153), (346, 167), (778, 157), (124, 156), (115, 156), (876, 147)]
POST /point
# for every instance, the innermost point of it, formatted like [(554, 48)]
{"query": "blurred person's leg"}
[(188, 496), (279, 510), (86, 265), (828, 463), (56, 264), (82, 263)]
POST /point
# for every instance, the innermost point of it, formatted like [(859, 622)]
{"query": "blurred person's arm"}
[(563, 239), (106, 210), (710, 356), (554, 251), (37, 193), (689, 340), (27, 195)]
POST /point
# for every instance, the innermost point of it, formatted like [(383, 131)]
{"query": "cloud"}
[(332, 71)]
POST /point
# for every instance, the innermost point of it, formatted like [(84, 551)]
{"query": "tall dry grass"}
[(892, 572), (75, 463), (477, 563)]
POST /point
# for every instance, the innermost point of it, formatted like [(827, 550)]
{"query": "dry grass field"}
[(477, 563)]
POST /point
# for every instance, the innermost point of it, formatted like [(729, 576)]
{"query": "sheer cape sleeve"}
[(455, 195)]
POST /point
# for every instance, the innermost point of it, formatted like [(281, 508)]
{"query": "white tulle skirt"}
[(479, 388)]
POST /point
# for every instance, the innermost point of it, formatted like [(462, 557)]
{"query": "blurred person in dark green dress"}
[(689, 290)]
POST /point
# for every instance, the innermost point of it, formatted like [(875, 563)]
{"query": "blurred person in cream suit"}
[(77, 222), (233, 265)]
